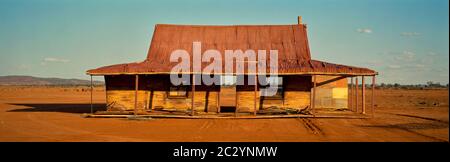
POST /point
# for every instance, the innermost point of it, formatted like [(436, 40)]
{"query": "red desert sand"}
[(54, 114)]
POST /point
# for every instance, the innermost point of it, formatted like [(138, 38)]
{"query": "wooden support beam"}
[(106, 95), (363, 95), (218, 100), (147, 104), (353, 94), (255, 95), (218, 93), (356, 94), (136, 85), (373, 100), (92, 88), (330, 80), (310, 95), (314, 95), (237, 103), (193, 94), (350, 92)]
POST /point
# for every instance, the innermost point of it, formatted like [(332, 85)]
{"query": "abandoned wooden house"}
[(305, 84)]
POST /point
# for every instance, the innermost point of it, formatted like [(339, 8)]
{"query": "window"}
[(228, 80), (276, 82), (177, 92)]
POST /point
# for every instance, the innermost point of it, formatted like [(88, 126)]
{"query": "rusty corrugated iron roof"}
[(291, 41), (302, 67)]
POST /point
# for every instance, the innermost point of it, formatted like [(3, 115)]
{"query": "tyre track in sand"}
[(311, 126)]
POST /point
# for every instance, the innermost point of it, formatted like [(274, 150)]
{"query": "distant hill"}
[(30, 80)]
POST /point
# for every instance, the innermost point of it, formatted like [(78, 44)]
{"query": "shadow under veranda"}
[(59, 107)]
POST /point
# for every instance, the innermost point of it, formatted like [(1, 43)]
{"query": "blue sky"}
[(406, 41)]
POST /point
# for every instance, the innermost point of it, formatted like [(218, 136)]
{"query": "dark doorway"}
[(227, 109)]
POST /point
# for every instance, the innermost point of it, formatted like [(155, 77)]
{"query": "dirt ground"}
[(54, 114)]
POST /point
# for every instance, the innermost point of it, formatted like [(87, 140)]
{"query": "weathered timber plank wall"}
[(296, 95), (153, 94)]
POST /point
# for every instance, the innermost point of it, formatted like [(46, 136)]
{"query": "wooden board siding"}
[(246, 101), (205, 101), (228, 96), (292, 99), (332, 92), (153, 92), (296, 100), (296, 95), (124, 99), (297, 91)]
